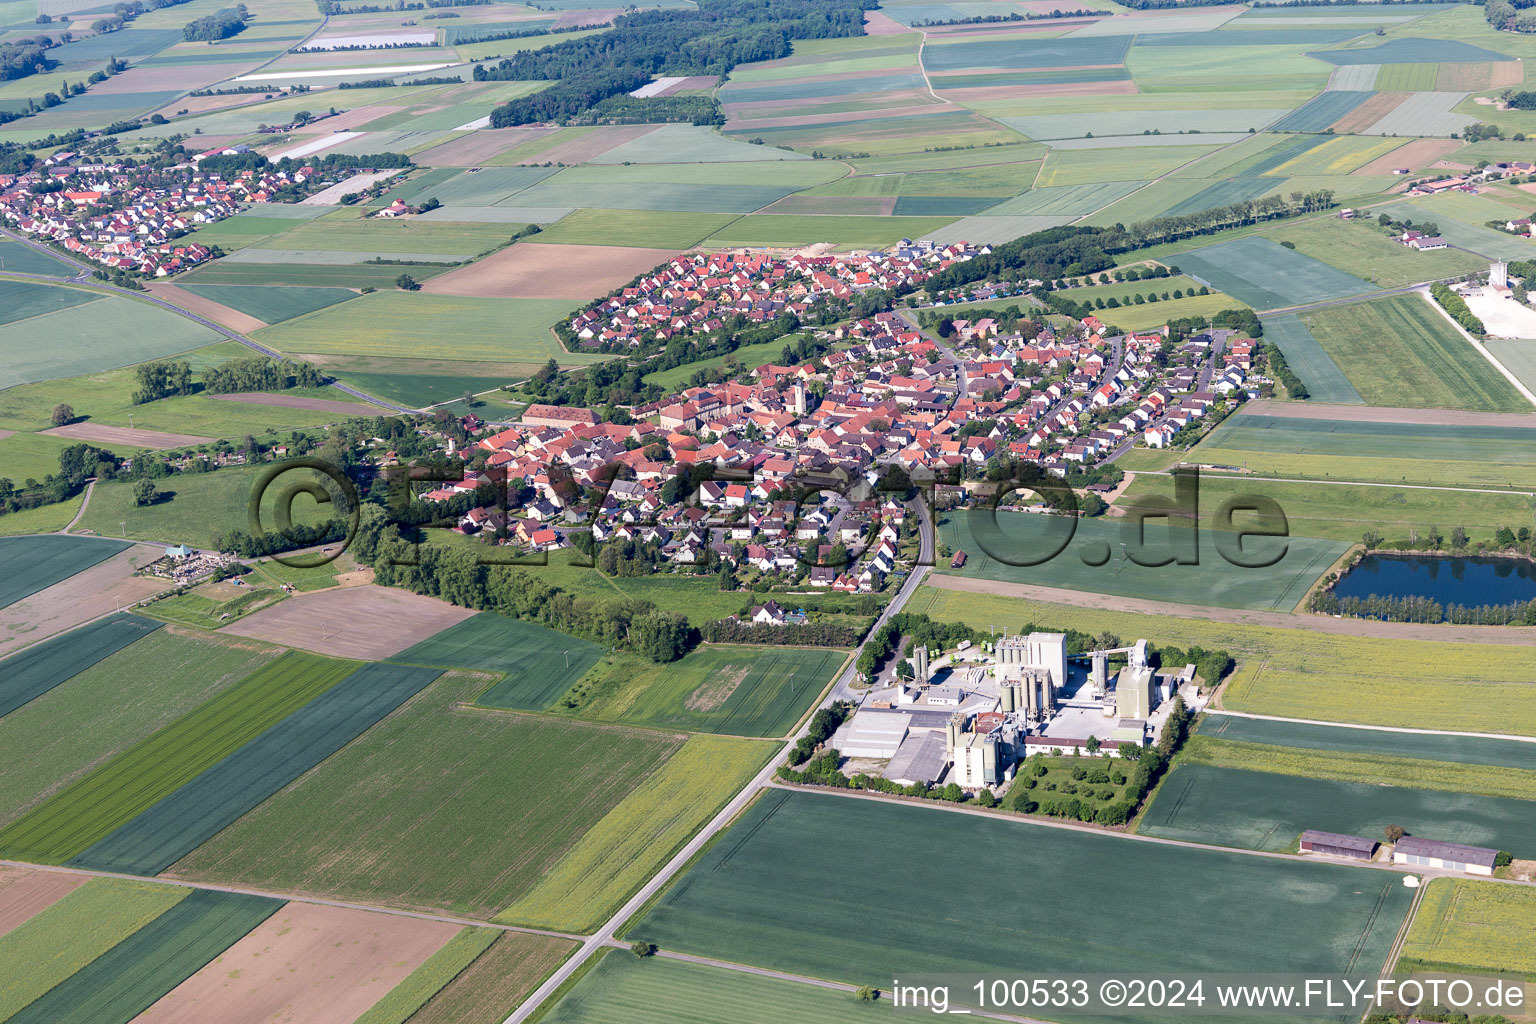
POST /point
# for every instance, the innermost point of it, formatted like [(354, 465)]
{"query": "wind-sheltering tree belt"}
[(709, 40)]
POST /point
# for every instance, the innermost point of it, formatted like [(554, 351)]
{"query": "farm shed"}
[(1334, 844), (1431, 853)]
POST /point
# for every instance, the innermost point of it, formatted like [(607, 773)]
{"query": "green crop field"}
[(638, 836), (92, 807), (131, 976), (272, 305), (488, 989), (23, 259), (1324, 380), (1402, 352), (30, 564), (1346, 511), (346, 231), (730, 689), (1471, 927), (623, 990), (1021, 537), (21, 301), (197, 811), (111, 706), (1298, 673), (1266, 275), (1365, 251), (305, 275), (138, 332), (538, 663), (1473, 456), (34, 671), (1260, 810), (644, 228), (491, 799), (420, 326), (845, 232), (760, 896), (69, 935), (1301, 735), (1373, 768)]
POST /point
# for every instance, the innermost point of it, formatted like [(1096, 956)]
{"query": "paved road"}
[(83, 279), (909, 318), (606, 935), (90, 487)]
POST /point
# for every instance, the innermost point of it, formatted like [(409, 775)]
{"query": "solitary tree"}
[(1394, 833), (407, 283), (144, 492), (642, 949), (868, 994), (63, 413)]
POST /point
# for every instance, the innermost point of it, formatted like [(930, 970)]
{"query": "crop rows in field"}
[(428, 979), (127, 979), (30, 564), (491, 800), (134, 781), (1261, 810), (197, 811), (34, 671), (73, 932), (539, 663), (1376, 768), (760, 896), (1265, 275), (634, 839), (1457, 749)]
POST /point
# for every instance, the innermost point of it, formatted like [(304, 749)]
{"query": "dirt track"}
[(1283, 620), (1381, 414), (132, 436)]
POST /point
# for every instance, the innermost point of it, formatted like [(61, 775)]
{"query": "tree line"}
[(219, 25), (709, 40), (1457, 307)]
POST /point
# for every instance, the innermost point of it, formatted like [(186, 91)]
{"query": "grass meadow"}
[(1298, 673)]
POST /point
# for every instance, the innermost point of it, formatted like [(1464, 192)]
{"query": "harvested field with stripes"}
[(322, 621)]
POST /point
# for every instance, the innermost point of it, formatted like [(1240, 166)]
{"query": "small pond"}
[(1454, 579)]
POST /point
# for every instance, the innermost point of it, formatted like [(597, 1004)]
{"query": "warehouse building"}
[(874, 734), (1334, 844), (1431, 853)]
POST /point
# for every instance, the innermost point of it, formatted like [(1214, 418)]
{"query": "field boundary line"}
[(1338, 483), (1374, 728), (292, 898), (1480, 348)]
